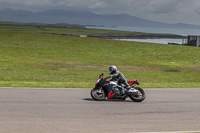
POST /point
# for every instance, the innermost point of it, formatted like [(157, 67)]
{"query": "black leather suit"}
[(119, 77)]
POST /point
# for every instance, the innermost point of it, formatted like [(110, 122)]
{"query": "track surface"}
[(26, 110)]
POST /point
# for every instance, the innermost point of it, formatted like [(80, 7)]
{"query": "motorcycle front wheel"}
[(98, 94), (139, 96)]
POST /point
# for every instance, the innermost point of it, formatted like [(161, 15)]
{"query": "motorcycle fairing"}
[(110, 95), (109, 90), (132, 81)]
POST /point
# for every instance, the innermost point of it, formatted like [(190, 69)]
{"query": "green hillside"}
[(31, 59)]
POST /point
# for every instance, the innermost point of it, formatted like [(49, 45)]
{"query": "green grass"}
[(31, 59), (71, 31)]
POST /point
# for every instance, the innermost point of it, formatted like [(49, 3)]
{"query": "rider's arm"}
[(108, 77), (111, 76), (114, 75)]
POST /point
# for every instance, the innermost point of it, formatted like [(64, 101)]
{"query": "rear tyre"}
[(98, 94), (138, 97)]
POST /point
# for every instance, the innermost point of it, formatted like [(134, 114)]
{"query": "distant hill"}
[(44, 24), (83, 18)]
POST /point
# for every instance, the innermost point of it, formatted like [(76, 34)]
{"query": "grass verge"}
[(31, 59)]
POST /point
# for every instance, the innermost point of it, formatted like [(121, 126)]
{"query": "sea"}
[(177, 31)]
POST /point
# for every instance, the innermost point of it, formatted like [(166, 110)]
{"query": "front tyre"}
[(98, 94), (139, 96)]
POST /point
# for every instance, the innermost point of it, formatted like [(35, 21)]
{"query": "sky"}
[(168, 11)]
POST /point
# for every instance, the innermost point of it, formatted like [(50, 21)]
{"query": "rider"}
[(118, 77)]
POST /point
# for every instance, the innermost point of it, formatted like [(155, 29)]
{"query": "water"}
[(161, 41), (178, 31)]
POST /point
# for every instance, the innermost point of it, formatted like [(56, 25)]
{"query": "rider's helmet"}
[(112, 69)]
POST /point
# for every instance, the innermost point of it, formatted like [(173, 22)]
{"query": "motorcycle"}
[(109, 89)]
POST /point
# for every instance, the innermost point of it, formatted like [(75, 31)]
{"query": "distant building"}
[(193, 41), (83, 35)]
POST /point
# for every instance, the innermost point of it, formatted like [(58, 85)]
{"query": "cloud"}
[(152, 6), (162, 6), (98, 5), (25, 2), (160, 10)]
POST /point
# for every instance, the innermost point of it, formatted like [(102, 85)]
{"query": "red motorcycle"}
[(111, 90)]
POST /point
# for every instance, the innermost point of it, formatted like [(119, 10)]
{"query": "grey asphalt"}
[(38, 110)]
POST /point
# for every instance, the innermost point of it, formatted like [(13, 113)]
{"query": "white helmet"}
[(112, 69)]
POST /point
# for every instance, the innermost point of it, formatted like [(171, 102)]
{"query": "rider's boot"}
[(128, 87), (132, 90)]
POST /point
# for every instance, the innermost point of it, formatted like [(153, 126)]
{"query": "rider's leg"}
[(126, 85)]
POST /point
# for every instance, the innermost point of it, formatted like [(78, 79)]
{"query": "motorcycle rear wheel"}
[(138, 97), (98, 94)]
